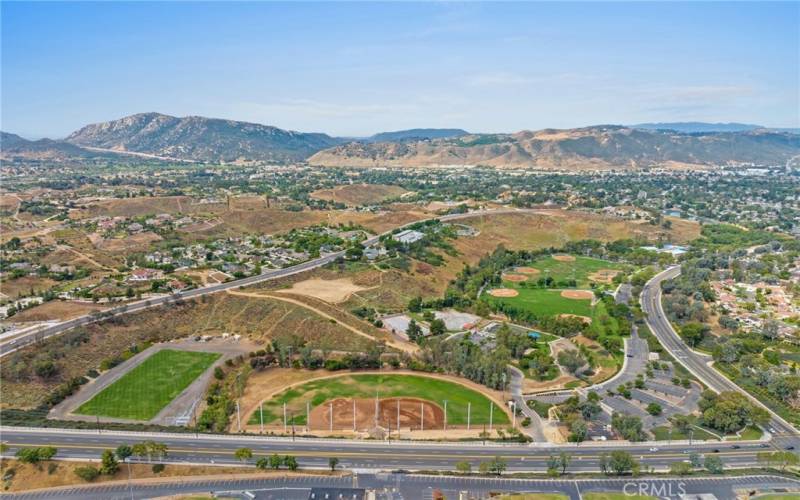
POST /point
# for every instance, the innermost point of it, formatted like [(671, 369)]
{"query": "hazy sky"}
[(360, 68)]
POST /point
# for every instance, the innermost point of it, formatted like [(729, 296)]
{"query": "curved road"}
[(784, 434)]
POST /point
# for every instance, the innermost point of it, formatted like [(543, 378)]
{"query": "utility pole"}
[(284, 418), (491, 414), (308, 416), (330, 418), (354, 414), (445, 415), (469, 413), (97, 417), (261, 415), (292, 426), (422, 416)]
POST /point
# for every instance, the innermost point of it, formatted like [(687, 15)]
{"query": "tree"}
[(695, 459), (438, 327), (564, 459), (730, 411), (124, 452), (108, 463), (414, 332), (88, 474), (262, 463), (47, 452), (603, 463), (464, 467), (553, 465), (243, 454), (654, 409), (290, 462), (693, 333), (332, 463), (415, 304), (571, 359), (714, 464), (680, 468), (578, 430), (628, 426), (275, 461), (622, 462), (140, 450), (497, 465)]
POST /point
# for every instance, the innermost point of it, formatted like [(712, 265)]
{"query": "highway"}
[(784, 434), (14, 343)]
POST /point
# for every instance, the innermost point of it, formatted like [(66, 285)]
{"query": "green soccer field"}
[(388, 386), (149, 387)]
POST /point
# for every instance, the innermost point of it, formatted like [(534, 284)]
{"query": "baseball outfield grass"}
[(434, 390)]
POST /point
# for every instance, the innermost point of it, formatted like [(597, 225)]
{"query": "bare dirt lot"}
[(527, 270), (515, 277), (411, 414), (57, 310), (333, 291), (586, 319), (564, 258), (129, 243), (577, 294), (503, 292), (359, 194)]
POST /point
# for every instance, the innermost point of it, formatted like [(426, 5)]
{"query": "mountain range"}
[(211, 140)]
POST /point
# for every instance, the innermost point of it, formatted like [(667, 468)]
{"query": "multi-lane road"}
[(784, 434), (382, 456)]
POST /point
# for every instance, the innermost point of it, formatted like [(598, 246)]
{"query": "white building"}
[(408, 236)]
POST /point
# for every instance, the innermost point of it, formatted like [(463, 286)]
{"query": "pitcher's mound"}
[(503, 292), (411, 410), (564, 258), (577, 294), (515, 277), (527, 270)]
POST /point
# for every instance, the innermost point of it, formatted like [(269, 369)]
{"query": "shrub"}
[(88, 474)]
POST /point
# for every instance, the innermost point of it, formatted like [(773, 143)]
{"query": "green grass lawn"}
[(319, 391), (750, 433), (662, 434), (579, 270), (545, 302), (145, 390)]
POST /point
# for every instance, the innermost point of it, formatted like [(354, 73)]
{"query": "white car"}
[(653, 449)]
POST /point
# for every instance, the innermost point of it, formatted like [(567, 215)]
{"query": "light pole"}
[(469, 414), (261, 416), (445, 414), (491, 414)]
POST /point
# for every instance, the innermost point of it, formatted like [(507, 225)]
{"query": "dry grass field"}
[(57, 310), (359, 194), (255, 318), (23, 286), (35, 476)]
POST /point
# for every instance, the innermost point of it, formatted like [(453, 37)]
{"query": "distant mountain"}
[(416, 134), (13, 146), (693, 127), (201, 139), (599, 147)]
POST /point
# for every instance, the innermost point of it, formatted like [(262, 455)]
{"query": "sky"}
[(354, 69)]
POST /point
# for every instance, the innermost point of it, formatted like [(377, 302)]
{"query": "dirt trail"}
[(397, 345), (86, 258)]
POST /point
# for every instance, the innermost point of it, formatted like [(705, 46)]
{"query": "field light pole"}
[(284, 418), (445, 415), (422, 417), (491, 414), (469, 413), (261, 416), (308, 416)]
